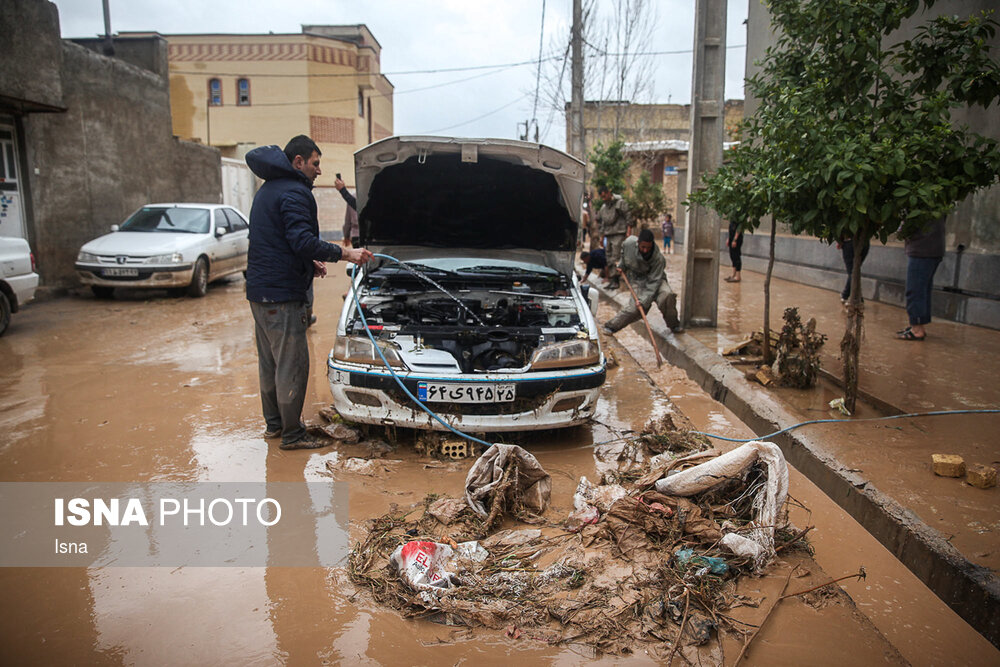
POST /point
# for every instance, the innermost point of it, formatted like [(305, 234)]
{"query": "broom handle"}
[(659, 362)]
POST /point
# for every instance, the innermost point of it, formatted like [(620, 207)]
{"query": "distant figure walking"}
[(735, 243), (924, 252), (668, 234)]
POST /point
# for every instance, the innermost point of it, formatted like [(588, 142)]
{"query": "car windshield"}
[(168, 219)]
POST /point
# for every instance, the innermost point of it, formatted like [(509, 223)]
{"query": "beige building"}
[(237, 92), (607, 121)]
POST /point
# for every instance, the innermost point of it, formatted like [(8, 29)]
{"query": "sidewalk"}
[(945, 531)]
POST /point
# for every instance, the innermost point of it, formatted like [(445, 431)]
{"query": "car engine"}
[(482, 324)]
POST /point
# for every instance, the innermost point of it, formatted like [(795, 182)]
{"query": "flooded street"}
[(147, 388)]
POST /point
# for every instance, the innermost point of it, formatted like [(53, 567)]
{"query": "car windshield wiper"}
[(492, 268), (423, 268)]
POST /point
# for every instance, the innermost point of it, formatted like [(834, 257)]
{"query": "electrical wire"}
[(371, 337), (334, 75), (364, 322), (441, 70), (473, 120)]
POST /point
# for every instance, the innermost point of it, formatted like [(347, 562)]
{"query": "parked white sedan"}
[(175, 246), (18, 279)]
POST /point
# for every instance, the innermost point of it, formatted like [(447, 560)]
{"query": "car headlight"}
[(359, 350), (567, 354), (173, 258), (86, 257)]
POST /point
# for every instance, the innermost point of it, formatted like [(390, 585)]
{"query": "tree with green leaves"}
[(646, 202), (854, 136), (610, 167)]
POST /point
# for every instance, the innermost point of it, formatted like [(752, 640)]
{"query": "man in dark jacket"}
[(285, 253)]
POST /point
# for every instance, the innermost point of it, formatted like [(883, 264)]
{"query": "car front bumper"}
[(552, 401), (150, 277)]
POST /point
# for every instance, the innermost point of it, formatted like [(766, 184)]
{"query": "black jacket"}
[(284, 231)]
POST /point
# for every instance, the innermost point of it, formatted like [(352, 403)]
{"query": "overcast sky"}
[(435, 34)]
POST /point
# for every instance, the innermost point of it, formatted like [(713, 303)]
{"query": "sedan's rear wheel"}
[(199, 279), (102, 291), (5, 311)]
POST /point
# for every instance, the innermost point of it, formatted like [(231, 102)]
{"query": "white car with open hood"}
[(484, 321)]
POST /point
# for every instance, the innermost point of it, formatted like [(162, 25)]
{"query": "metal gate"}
[(11, 215)]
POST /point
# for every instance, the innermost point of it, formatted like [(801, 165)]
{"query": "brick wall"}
[(328, 130)]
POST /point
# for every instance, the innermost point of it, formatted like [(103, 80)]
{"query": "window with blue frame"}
[(243, 92), (215, 92)]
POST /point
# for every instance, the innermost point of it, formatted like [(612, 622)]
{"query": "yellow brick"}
[(982, 477), (948, 465)]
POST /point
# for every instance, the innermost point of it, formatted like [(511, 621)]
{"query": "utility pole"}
[(576, 144), (109, 44), (701, 231)]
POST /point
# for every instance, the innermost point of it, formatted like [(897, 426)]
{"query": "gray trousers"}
[(282, 364), (614, 252), (665, 300)]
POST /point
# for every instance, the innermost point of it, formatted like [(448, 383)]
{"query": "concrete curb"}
[(972, 591)]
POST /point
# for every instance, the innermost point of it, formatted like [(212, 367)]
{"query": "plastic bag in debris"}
[(602, 497), (767, 501), (713, 565), (431, 566), (534, 484)]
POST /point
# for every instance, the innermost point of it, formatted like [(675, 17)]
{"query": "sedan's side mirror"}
[(220, 231), (114, 228)]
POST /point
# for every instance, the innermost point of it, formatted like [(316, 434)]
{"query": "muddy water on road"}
[(149, 388)]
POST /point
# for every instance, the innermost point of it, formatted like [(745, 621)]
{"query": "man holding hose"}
[(285, 254)]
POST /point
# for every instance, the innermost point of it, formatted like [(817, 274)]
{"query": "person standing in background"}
[(735, 244), (668, 234), (615, 224), (924, 252)]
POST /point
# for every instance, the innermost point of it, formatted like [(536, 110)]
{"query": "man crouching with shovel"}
[(644, 270)]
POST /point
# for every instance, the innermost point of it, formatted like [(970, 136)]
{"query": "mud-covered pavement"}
[(150, 388)]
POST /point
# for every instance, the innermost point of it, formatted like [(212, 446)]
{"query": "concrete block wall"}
[(111, 152)]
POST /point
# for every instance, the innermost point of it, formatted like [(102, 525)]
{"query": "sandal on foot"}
[(902, 331), (908, 334)]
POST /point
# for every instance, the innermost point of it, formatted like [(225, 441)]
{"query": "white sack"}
[(767, 503), (534, 484)]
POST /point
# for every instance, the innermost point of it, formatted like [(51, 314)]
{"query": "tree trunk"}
[(768, 356), (850, 346)]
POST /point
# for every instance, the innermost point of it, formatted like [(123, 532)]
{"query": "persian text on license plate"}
[(120, 272), (465, 393)]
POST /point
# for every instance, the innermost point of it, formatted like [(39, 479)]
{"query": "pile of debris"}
[(647, 560), (796, 353)]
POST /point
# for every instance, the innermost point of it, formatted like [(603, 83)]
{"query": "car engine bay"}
[(474, 324)]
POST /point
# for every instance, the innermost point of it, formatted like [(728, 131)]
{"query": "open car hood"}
[(472, 197)]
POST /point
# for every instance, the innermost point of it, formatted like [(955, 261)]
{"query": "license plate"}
[(120, 272), (448, 392)]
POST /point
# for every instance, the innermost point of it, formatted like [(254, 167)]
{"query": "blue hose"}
[(364, 322), (853, 421), (454, 430)]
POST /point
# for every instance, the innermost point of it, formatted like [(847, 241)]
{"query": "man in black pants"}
[(735, 244), (285, 253)]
